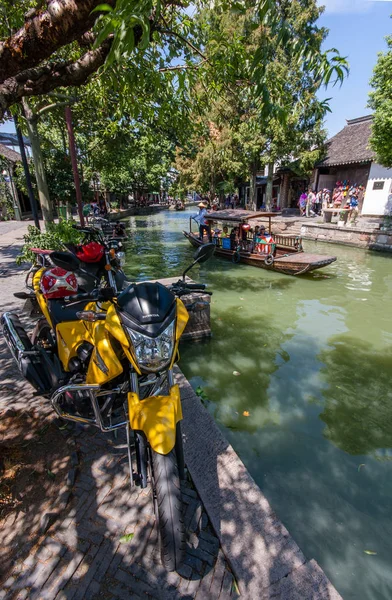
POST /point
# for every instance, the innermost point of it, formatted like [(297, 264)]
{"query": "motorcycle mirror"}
[(204, 253), (65, 260), (201, 255)]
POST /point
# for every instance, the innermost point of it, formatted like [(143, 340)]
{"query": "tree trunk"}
[(252, 187), (44, 32), (43, 192), (270, 180)]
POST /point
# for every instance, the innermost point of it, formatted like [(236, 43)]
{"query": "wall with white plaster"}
[(378, 202)]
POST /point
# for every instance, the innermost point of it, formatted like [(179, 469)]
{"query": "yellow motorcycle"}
[(105, 358)]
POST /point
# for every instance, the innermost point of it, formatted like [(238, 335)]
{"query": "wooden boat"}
[(180, 206), (280, 252)]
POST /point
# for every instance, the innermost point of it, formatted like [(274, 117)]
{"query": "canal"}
[(298, 377)]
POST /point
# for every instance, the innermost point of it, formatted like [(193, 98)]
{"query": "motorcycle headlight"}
[(153, 354)]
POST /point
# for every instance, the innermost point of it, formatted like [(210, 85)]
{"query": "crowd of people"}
[(343, 196)]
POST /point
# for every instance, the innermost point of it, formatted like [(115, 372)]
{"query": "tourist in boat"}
[(234, 238), (201, 220)]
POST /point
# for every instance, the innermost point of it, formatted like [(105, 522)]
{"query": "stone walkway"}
[(81, 555)]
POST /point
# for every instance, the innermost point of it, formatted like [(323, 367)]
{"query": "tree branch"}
[(181, 67), (42, 80), (183, 39), (45, 32), (49, 107)]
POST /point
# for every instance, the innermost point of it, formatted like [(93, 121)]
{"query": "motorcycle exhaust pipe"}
[(15, 335), (32, 363)]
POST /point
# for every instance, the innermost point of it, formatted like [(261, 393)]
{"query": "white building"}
[(349, 158)]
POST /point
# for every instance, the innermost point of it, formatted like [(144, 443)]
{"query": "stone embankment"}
[(361, 236), (370, 234)]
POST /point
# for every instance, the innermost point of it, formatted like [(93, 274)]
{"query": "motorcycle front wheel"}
[(167, 491)]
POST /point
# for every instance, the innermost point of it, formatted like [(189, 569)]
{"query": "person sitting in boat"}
[(217, 237), (265, 243), (200, 218), (234, 238)]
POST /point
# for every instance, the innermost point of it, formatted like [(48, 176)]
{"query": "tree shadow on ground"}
[(8, 265), (83, 553)]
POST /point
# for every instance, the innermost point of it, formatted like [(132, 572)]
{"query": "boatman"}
[(201, 220)]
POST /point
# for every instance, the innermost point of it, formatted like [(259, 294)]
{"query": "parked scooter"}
[(105, 358)]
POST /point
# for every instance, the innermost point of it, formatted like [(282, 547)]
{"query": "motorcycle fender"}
[(104, 364), (157, 417)]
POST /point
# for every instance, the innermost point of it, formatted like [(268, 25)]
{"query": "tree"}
[(65, 44), (380, 100), (37, 36), (269, 120)]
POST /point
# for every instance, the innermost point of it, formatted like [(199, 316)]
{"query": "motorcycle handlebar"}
[(195, 286), (184, 292), (95, 295), (81, 296)]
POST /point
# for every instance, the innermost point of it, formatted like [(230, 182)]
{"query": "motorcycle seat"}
[(61, 314)]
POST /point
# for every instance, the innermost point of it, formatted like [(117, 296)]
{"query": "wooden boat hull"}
[(294, 263)]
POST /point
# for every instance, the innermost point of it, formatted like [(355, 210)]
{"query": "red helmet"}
[(91, 252), (58, 283)]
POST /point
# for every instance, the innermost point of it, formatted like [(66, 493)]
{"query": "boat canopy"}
[(238, 216)]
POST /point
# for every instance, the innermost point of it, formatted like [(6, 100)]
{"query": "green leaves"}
[(54, 238), (102, 8), (125, 539), (380, 100)]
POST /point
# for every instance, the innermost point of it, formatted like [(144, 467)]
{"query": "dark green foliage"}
[(54, 238), (381, 101)]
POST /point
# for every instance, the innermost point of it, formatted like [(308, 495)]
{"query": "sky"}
[(357, 28)]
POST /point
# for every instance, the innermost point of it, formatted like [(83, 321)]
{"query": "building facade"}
[(351, 161)]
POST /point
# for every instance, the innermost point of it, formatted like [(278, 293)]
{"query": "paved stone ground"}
[(80, 556)]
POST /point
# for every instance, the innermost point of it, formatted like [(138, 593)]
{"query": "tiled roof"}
[(351, 144), (9, 154)]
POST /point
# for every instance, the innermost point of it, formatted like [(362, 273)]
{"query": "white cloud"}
[(345, 6)]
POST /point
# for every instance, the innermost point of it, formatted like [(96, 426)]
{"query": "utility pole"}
[(26, 169), (72, 151)]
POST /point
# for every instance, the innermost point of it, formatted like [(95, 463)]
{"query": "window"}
[(378, 185)]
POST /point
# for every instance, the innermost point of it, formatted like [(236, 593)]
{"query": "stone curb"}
[(264, 558)]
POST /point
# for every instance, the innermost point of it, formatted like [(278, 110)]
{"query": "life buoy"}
[(269, 260)]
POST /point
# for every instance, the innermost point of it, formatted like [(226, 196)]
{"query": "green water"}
[(314, 357)]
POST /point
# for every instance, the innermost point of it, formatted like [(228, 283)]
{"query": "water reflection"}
[(311, 411), (358, 399)]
